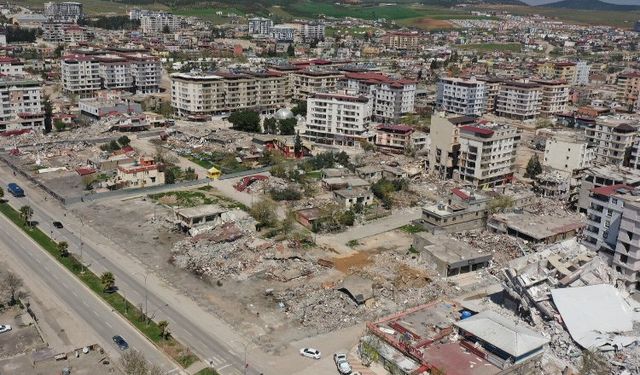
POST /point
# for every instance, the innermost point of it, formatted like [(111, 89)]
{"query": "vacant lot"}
[(427, 23), (492, 47)]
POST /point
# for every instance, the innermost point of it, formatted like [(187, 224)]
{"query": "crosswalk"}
[(222, 366)]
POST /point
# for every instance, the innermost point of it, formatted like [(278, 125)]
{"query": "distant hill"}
[(591, 5), (449, 3)]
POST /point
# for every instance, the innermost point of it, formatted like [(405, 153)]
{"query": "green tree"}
[(297, 146), (59, 125), (1, 194), (26, 212), (287, 126), (48, 114), (270, 125), (12, 283), (166, 29), (265, 213), (124, 141), (300, 108), (164, 332), (169, 176), (190, 174), (57, 53), (113, 145), (246, 120), (63, 248), (500, 203), (107, 280), (291, 51), (534, 167)]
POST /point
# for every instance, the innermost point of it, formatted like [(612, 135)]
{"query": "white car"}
[(5, 328), (341, 363), (310, 352)]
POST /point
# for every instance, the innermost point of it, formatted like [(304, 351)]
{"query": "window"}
[(624, 259)]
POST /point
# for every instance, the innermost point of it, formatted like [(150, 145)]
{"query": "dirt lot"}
[(92, 363), (22, 338), (432, 24)]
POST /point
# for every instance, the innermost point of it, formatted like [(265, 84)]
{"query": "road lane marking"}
[(224, 367), (108, 324), (232, 352), (96, 314)]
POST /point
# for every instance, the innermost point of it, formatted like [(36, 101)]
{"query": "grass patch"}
[(96, 7), (207, 371), (315, 174), (151, 330), (225, 162), (411, 228), (207, 13), (492, 47), (192, 198), (353, 243), (312, 9)]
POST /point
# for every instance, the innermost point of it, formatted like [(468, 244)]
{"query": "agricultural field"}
[(96, 7), (206, 13), (491, 47)]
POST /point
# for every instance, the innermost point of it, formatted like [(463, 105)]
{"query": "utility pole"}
[(81, 260)]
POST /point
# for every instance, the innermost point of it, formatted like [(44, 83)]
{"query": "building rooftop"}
[(540, 227), (199, 211), (450, 250)]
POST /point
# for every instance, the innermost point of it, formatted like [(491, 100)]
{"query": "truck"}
[(15, 190)]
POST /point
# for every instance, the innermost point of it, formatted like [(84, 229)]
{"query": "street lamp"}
[(146, 309), (245, 346), (81, 260)]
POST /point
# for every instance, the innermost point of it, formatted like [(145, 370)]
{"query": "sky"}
[(623, 2)]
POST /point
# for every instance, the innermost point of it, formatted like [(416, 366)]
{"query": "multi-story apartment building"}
[(21, 104), (555, 96), (568, 152), (283, 33), (135, 72), (260, 26), (444, 151), (399, 137), (605, 175), (461, 96), (582, 73), (10, 66), (338, 119), (74, 35), (391, 98), (487, 154), (68, 11), (155, 23), (312, 31), (628, 87), (115, 72), (565, 71), (613, 139), (307, 82), (202, 95), (519, 100), (626, 257), (492, 90), (401, 40), (80, 75), (604, 214)]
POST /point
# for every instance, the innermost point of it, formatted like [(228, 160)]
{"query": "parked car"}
[(58, 224), (122, 344), (15, 190), (5, 328), (310, 352), (342, 364)]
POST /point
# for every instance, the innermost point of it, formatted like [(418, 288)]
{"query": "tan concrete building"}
[(401, 40), (142, 173), (612, 138), (628, 87), (555, 96), (445, 143), (308, 82), (519, 100)]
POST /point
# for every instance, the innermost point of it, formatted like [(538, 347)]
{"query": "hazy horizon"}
[(619, 2)]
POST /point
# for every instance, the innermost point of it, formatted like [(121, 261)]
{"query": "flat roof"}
[(353, 193), (198, 211), (450, 250), (515, 340), (540, 227)]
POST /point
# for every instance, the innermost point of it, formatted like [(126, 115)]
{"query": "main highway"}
[(208, 337)]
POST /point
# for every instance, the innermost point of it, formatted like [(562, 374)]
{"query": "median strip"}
[(180, 353)]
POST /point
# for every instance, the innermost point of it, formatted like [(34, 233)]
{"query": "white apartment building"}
[(604, 214), (626, 258), (338, 119), (21, 105), (155, 23), (487, 154), (68, 11), (260, 26), (461, 96), (283, 33), (146, 71), (519, 100), (555, 96), (612, 139), (312, 31), (115, 72), (582, 73), (392, 98), (194, 95), (80, 75), (10, 66), (568, 152), (308, 82)]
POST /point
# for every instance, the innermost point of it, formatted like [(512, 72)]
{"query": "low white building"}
[(568, 152)]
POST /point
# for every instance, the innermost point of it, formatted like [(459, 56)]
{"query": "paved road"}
[(209, 338), (84, 304)]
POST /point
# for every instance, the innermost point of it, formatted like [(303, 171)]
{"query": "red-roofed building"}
[(396, 137), (141, 173), (11, 66)]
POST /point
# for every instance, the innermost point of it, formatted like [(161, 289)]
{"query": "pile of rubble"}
[(503, 247)]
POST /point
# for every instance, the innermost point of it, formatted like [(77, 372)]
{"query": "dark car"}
[(58, 224), (122, 344)]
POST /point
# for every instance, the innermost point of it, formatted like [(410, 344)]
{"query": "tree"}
[(26, 213), (246, 120), (300, 108), (297, 146), (190, 174), (166, 29), (48, 113), (107, 280), (265, 213), (133, 363), (270, 125), (164, 332), (63, 248), (57, 53), (13, 283), (59, 125), (169, 176), (534, 167), (124, 141), (1, 194), (291, 51), (499, 204), (287, 126)]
